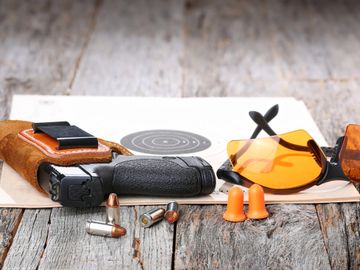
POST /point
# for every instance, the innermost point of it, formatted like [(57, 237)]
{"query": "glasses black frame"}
[(331, 169)]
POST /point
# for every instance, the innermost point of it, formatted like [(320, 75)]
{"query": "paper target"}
[(165, 142)]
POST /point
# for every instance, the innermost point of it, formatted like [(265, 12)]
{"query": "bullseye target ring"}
[(165, 142)]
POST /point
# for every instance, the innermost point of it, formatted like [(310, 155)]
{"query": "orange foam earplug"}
[(257, 208), (235, 206)]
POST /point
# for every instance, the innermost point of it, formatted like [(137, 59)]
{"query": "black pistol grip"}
[(162, 176)]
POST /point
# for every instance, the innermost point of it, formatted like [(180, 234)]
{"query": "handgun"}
[(87, 185)]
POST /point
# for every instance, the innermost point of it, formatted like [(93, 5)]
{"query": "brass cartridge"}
[(172, 212), (153, 216), (105, 229), (113, 209)]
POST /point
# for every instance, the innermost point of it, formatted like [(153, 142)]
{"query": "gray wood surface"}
[(29, 241), (41, 43), (139, 249), (289, 239), (340, 228), (9, 222), (306, 49), (136, 49)]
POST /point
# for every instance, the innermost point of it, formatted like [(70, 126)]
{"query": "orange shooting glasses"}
[(291, 161)]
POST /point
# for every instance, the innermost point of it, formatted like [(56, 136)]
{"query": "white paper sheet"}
[(217, 119)]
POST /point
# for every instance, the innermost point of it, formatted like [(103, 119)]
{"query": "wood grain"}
[(289, 239), (341, 232), (29, 241), (9, 222), (226, 42), (139, 249), (351, 214), (59, 241), (319, 40), (135, 49), (41, 42), (237, 48)]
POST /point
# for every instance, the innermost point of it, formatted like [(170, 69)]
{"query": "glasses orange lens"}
[(279, 162), (350, 153)]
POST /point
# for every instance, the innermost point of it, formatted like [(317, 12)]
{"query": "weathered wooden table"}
[(306, 49)]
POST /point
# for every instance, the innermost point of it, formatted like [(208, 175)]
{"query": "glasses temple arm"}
[(263, 124), (268, 116)]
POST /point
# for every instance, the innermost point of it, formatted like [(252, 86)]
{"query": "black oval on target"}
[(165, 142)]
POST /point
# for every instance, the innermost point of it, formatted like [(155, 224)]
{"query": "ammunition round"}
[(113, 209), (105, 229), (153, 216), (172, 212)]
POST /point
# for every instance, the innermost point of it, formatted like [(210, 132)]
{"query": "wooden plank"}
[(341, 35), (30, 240), (41, 42), (351, 214), (316, 40), (238, 46), (136, 49), (9, 222), (298, 39), (69, 247), (60, 241), (289, 239), (341, 231), (226, 42)]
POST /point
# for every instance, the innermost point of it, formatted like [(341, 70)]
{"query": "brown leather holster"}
[(24, 150)]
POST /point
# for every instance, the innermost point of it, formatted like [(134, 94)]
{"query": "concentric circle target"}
[(165, 142)]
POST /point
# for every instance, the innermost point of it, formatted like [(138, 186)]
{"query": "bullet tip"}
[(112, 201), (118, 231), (171, 216)]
